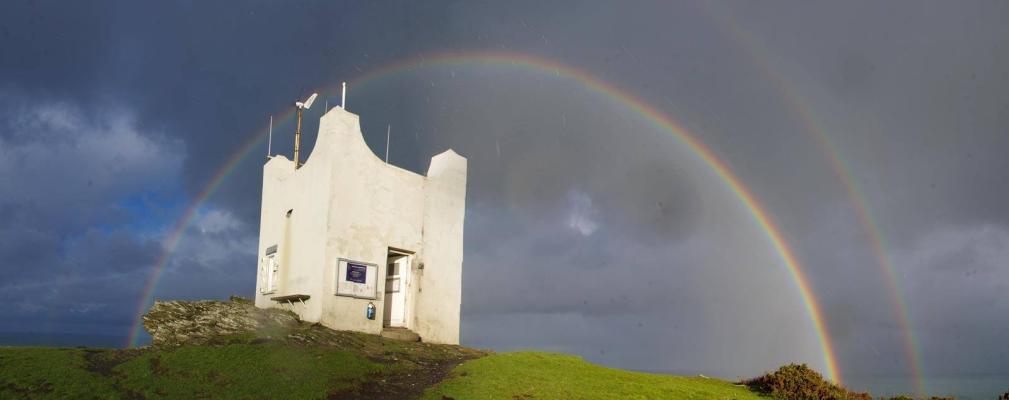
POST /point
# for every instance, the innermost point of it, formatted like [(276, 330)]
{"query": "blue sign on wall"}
[(357, 273)]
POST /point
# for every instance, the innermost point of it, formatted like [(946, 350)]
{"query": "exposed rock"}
[(172, 323), (238, 321)]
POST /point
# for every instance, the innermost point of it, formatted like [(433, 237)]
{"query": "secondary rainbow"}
[(654, 116), (855, 194)]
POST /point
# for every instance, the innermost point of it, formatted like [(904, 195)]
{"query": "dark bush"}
[(799, 382), (1004, 396)]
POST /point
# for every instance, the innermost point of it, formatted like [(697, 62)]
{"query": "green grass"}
[(309, 361), (534, 375), (244, 372), (47, 373), (288, 371), (238, 371)]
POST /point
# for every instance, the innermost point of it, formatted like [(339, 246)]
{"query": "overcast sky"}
[(589, 230)]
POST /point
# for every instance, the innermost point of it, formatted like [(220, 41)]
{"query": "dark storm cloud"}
[(587, 229), (916, 109), (77, 178), (932, 120)]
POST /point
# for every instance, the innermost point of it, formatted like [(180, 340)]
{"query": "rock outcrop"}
[(239, 322), (172, 323)]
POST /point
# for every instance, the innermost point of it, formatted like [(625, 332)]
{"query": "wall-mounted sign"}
[(356, 279), (357, 273)]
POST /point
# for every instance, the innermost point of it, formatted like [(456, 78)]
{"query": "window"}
[(274, 273), (269, 271)]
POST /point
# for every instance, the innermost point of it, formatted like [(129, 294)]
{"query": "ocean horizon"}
[(51, 339), (963, 387)]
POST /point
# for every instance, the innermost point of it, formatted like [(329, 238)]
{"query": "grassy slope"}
[(56, 373), (273, 370), (533, 375), (238, 371), (245, 371)]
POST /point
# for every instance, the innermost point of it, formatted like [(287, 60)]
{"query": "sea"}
[(60, 340), (963, 387), (971, 387)]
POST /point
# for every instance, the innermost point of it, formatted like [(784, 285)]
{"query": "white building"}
[(347, 231)]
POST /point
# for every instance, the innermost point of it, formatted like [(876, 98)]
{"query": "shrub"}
[(1004, 396), (799, 382)]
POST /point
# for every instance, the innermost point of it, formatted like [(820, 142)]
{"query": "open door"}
[(397, 280)]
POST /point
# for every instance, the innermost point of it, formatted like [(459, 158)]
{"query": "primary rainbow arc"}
[(877, 241), (541, 65)]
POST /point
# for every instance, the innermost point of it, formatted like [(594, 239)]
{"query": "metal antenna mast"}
[(269, 144), (297, 132), (388, 129)]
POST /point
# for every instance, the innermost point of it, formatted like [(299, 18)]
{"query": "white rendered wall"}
[(440, 281), (347, 203)]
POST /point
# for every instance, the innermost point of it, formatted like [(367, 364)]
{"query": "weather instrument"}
[(297, 131)]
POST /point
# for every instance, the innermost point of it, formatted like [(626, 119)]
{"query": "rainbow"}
[(649, 113), (877, 241), (175, 234)]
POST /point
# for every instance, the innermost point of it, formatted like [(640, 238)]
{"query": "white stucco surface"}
[(346, 203)]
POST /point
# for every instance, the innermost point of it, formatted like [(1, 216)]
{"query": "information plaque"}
[(356, 279)]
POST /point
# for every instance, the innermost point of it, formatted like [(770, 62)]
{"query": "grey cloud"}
[(912, 96), (69, 235)]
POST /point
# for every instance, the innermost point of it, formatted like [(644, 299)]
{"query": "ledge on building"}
[(291, 298)]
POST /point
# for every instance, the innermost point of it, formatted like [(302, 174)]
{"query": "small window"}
[(274, 273), (263, 275), (268, 274)]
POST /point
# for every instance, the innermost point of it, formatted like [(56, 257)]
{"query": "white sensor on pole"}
[(308, 103), (343, 97)]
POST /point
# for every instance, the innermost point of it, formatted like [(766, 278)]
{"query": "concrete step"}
[(403, 334)]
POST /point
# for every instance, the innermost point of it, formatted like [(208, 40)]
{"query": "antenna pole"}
[(388, 129), (269, 144), (343, 97), (297, 140), (326, 109)]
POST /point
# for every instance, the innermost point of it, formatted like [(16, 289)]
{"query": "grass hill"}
[(286, 371), (231, 350)]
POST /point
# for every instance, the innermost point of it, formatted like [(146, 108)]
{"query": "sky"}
[(873, 136)]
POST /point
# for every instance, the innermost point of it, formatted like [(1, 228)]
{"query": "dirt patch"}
[(406, 384), (26, 392), (104, 361)]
